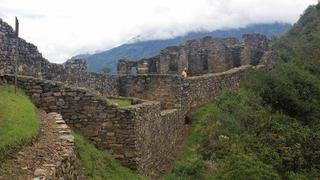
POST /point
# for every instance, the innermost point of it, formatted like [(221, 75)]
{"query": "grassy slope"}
[(270, 128), (190, 165), (121, 102), (99, 164), (18, 119)]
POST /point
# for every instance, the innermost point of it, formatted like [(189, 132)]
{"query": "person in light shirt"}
[(184, 73)]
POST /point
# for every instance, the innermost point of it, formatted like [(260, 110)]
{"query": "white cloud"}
[(63, 28)]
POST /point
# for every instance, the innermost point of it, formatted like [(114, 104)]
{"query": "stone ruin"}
[(201, 56), (143, 136)]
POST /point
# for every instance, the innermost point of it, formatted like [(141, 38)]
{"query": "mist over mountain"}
[(136, 49)]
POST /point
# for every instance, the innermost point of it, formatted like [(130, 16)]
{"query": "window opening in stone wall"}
[(173, 65), (204, 60), (133, 70)]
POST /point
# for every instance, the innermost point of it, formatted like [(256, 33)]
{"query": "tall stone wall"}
[(202, 56), (159, 135), (255, 45)]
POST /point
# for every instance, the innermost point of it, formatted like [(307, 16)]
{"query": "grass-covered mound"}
[(270, 128), (100, 164), (18, 120)]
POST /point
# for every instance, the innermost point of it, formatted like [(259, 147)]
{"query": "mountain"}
[(142, 49)]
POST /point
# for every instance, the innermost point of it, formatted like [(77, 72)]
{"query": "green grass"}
[(190, 164), (121, 102), (100, 164), (18, 120)]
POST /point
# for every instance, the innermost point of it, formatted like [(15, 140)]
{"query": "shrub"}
[(247, 167)]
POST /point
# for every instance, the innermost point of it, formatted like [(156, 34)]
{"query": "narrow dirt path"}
[(44, 151)]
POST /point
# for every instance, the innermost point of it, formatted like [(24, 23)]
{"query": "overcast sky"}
[(63, 28)]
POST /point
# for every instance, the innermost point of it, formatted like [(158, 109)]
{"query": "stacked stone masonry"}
[(202, 56), (183, 93), (131, 134), (143, 136)]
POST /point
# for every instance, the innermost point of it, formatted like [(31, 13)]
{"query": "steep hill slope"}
[(139, 50), (301, 43), (270, 128)]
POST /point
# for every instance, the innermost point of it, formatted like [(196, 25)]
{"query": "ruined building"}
[(144, 135), (201, 56)]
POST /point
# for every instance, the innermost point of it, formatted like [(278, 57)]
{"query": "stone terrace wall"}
[(175, 92), (109, 127), (140, 136)]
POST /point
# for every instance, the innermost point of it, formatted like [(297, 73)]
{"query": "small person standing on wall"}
[(184, 73)]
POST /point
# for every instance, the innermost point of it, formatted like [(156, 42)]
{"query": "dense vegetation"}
[(99, 164), (136, 49), (18, 120), (270, 128)]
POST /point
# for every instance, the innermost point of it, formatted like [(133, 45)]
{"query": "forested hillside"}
[(270, 128)]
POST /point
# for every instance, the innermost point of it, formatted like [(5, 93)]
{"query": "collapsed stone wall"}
[(202, 56), (31, 63)]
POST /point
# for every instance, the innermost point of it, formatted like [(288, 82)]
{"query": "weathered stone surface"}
[(143, 136), (201, 56)]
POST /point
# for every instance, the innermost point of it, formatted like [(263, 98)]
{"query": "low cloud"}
[(62, 28)]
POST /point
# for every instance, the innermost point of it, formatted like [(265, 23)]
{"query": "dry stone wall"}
[(159, 135), (202, 56), (178, 92), (95, 117), (140, 136), (143, 136)]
